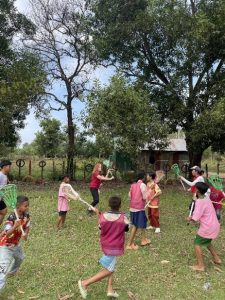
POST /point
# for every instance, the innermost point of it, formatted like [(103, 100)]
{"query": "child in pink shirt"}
[(209, 228), (63, 202), (113, 225)]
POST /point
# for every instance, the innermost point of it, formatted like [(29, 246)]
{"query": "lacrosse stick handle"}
[(191, 210), (182, 184), (21, 227)]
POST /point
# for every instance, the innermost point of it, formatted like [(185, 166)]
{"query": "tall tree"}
[(121, 118), (21, 74), (64, 42), (175, 49)]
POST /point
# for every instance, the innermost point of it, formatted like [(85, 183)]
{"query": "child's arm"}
[(10, 228)]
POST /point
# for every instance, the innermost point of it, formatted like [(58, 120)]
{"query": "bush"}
[(128, 176)]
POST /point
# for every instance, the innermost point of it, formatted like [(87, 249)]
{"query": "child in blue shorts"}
[(113, 225)]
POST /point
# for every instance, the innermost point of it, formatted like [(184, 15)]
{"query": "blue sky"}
[(27, 134)]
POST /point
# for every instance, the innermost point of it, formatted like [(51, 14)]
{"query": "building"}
[(176, 152)]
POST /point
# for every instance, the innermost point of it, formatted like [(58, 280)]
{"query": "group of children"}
[(113, 225)]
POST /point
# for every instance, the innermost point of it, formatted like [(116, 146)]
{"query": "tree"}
[(64, 42), (49, 140), (122, 118), (21, 74), (175, 49)]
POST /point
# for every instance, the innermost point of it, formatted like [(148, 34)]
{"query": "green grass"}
[(55, 261)]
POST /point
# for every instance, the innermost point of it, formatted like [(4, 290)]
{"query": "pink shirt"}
[(205, 213), (63, 203)]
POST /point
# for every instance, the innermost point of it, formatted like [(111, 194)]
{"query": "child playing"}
[(209, 228), (153, 202), (197, 174), (113, 225), (63, 202), (5, 166), (11, 253), (138, 195), (216, 196)]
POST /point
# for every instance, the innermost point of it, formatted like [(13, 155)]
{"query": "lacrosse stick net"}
[(216, 181), (9, 195), (72, 194), (176, 170)]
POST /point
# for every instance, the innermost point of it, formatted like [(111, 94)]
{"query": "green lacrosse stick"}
[(176, 170), (9, 195), (216, 181)]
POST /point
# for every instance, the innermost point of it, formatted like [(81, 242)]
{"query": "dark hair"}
[(5, 162), (140, 175), (202, 187), (65, 176), (152, 175), (21, 200), (115, 202)]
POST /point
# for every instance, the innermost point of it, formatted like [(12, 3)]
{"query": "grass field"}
[(55, 261)]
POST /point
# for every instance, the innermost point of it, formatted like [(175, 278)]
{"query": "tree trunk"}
[(71, 141)]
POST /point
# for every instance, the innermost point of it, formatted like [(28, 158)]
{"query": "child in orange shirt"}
[(153, 202)]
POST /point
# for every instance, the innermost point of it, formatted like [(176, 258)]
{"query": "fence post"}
[(218, 168), (206, 171), (30, 167)]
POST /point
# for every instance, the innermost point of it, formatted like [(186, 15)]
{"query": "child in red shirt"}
[(113, 225), (216, 196), (10, 248)]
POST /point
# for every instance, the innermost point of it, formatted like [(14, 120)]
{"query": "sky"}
[(27, 135)]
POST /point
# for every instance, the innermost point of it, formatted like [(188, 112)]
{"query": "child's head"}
[(66, 178), (151, 176), (22, 203), (97, 168), (196, 171), (5, 166), (140, 175), (201, 187), (115, 203)]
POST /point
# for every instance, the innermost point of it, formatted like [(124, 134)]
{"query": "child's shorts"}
[(62, 213), (202, 241), (138, 219), (108, 262)]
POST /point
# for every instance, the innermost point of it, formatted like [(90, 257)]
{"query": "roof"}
[(175, 145)]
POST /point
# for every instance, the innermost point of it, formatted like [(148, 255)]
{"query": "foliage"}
[(21, 74), (175, 49), (122, 118), (51, 140)]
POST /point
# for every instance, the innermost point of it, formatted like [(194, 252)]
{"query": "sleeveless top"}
[(112, 236)]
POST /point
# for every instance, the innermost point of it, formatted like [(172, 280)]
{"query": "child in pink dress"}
[(205, 214), (113, 225), (63, 202)]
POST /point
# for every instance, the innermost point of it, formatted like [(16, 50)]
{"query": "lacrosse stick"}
[(72, 194), (9, 195), (176, 170), (216, 181)]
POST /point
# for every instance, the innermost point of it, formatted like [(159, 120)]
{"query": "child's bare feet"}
[(145, 242), (197, 268), (217, 261), (132, 247)]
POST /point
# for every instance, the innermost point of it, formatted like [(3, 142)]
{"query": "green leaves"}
[(122, 117)]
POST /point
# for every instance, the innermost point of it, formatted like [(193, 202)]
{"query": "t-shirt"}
[(14, 238), (205, 213), (95, 182), (193, 183), (63, 202), (216, 196), (3, 179)]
